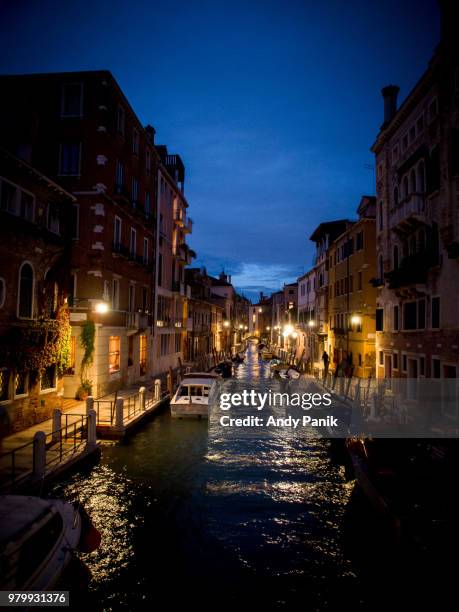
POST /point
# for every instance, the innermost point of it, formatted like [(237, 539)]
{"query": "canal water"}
[(195, 519)]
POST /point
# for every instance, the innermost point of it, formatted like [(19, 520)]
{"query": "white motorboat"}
[(196, 393), (38, 539)]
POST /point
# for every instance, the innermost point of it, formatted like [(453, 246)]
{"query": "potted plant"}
[(84, 390)]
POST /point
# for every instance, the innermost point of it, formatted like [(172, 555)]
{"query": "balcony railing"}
[(136, 320), (409, 213), (413, 270)]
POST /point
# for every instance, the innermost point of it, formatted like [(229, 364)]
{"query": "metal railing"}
[(10, 468)]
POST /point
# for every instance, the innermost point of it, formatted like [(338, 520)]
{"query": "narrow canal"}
[(188, 517)]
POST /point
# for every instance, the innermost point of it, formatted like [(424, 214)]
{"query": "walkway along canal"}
[(196, 519)]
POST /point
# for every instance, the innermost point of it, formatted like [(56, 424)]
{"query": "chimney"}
[(390, 93), (150, 130)]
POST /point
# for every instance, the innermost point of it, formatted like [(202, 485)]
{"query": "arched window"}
[(405, 187), (412, 181), (25, 291), (396, 197), (421, 177), (395, 257)]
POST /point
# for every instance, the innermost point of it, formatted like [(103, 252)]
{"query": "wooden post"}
[(92, 429), (170, 382), (39, 453), (89, 404), (57, 414)]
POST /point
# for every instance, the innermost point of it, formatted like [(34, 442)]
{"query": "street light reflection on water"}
[(259, 519)]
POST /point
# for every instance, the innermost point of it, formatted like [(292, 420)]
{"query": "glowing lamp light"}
[(294, 335), (260, 310), (101, 307), (311, 323), (241, 327), (288, 329), (356, 320), (268, 328), (225, 323)]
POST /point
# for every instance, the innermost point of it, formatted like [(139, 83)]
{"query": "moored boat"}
[(38, 541), (195, 394)]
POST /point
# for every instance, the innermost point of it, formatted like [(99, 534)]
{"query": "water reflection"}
[(248, 521)]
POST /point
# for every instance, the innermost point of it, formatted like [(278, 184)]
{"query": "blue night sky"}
[(272, 104)]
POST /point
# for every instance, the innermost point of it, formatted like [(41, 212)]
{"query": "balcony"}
[(412, 270), (179, 216), (188, 227), (137, 320), (409, 214)]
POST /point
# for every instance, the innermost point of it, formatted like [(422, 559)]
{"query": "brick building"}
[(417, 162), (35, 236), (80, 129)]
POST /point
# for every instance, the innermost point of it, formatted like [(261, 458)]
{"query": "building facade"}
[(35, 346), (352, 295), (417, 238)]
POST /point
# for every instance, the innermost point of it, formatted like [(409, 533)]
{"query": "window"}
[(120, 120), (69, 159), (436, 368), (178, 343), (27, 206), (117, 232), (25, 294), (131, 298), (395, 257), (75, 221), (133, 242), (160, 269), (396, 320), (412, 133), (433, 109), (115, 294), (412, 181), (4, 384), (380, 319), (72, 100), (144, 299), (359, 281), (164, 347), (53, 218), (145, 251), (410, 315), (48, 377), (72, 357), (381, 358), (395, 361), (2, 292), (119, 176), (9, 198), (143, 355), (135, 141), (135, 190), (435, 304), (147, 162), (419, 125), (421, 314), (404, 363), (113, 354), (20, 383), (147, 204), (422, 366)]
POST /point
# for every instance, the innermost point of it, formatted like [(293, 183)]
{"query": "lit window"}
[(114, 354), (4, 384), (20, 383), (143, 355)]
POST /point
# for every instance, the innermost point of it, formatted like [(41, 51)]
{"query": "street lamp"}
[(311, 323), (288, 329), (356, 320), (101, 307)]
